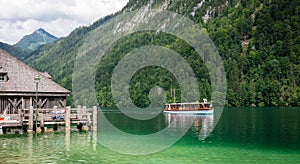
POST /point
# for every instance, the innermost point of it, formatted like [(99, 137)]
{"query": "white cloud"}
[(58, 17)]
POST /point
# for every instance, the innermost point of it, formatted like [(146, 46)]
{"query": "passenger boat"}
[(190, 108)]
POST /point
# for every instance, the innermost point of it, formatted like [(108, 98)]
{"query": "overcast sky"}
[(58, 17)]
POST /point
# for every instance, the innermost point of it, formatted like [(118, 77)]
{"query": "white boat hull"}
[(198, 112)]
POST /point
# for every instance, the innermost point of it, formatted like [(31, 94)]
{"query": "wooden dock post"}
[(42, 119), (83, 112), (38, 130), (84, 116), (30, 126), (85, 119), (78, 108), (67, 119), (94, 118)]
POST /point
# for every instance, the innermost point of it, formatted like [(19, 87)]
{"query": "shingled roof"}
[(20, 78)]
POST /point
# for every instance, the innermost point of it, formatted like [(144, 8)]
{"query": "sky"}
[(58, 17)]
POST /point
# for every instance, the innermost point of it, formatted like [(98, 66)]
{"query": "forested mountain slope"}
[(15, 51), (258, 41)]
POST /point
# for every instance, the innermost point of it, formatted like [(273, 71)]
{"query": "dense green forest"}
[(15, 51), (258, 41)]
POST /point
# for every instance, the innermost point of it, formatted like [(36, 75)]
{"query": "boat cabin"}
[(205, 105)]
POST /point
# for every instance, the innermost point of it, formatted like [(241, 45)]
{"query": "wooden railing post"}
[(84, 115), (83, 111), (30, 126), (88, 119), (67, 119), (79, 111), (94, 118), (42, 118)]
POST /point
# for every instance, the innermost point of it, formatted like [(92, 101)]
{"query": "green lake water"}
[(242, 135)]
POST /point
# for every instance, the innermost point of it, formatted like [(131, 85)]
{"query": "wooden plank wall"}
[(3, 103)]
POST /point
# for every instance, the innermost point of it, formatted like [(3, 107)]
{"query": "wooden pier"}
[(48, 120)]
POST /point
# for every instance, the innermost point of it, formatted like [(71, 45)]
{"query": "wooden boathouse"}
[(18, 96), (18, 89)]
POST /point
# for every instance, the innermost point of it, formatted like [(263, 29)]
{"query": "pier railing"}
[(82, 116)]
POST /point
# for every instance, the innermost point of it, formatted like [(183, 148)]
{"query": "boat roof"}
[(187, 103)]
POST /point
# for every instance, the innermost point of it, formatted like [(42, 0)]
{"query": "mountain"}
[(33, 41), (15, 51), (258, 41), (29, 43)]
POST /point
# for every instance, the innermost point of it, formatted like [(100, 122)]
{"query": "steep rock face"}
[(36, 39)]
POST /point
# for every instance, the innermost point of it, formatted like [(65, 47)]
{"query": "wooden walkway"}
[(84, 118)]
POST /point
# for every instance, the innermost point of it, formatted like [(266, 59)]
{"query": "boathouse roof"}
[(17, 78)]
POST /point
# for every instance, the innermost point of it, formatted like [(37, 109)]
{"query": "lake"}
[(260, 135)]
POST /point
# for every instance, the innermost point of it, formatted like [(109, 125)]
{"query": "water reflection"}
[(30, 149), (94, 140), (67, 140), (203, 124), (243, 135)]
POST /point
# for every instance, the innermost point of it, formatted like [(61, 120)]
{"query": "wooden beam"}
[(44, 102), (41, 116), (11, 102), (63, 102), (30, 101), (67, 119), (40, 102), (19, 102), (6, 109), (23, 103), (34, 100), (30, 127), (25, 94)]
